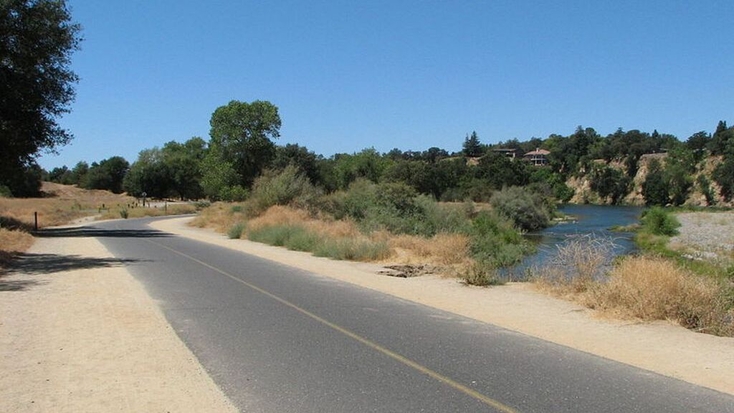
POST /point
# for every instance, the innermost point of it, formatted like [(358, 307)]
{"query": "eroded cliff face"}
[(583, 194)]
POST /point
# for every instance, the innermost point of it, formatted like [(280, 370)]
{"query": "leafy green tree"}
[(722, 139), (499, 171), (367, 164), (416, 174), (558, 187), (724, 176), (527, 209), (37, 38), (570, 155), (679, 183), (60, 175), (448, 177), (609, 182), (79, 173), (242, 135), (108, 174), (433, 154), (697, 143), (680, 165), (220, 180), (182, 163), (655, 187), (148, 175), (300, 157)]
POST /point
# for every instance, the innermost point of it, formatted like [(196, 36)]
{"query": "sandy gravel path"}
[(659, 347), (79, 334)]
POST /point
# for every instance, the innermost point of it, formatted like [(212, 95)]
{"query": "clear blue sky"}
[(349, 75)]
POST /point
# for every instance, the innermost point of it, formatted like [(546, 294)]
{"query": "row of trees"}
[(241, 147)]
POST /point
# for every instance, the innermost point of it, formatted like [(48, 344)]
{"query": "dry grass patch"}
[(649, 289), (657, 289), (640, 287), (220, 216), (441, 249), (287, 216), (61, 205), (13, 243)]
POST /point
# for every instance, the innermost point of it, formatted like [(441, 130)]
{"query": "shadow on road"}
[(73, 232), (16, 276)]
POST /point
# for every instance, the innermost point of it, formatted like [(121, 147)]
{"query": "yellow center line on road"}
[(410, 363)]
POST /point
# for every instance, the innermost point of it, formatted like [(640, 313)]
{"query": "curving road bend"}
[(278, 339)]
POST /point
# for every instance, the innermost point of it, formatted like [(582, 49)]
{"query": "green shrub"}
[(124, 213), (495, 242), (235, 231), (285, 187), (528, 210), (658, 221), (354, 250), (303, 241), (276, 235), (353, 203), (397, 208), (233, 193)]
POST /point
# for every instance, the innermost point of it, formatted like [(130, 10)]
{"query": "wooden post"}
[(35, 221)]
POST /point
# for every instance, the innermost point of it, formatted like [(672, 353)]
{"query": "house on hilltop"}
[(538, 157)]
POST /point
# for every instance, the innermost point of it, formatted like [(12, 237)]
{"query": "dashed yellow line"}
[(410, 363)]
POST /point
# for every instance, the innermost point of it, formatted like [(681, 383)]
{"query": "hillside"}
[(583, 192)]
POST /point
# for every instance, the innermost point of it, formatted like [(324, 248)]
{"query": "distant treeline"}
[(241, 147)]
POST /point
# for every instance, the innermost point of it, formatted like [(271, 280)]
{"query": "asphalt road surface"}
[(278, 339)]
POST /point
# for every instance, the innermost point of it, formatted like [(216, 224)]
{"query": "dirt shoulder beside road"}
[(79, 334), (660, 347)]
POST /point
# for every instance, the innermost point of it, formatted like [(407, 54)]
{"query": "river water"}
[(589, 223)]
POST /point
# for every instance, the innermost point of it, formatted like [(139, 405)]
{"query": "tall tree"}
[(148, 175), (183, 162), (37, 38), (655, 188), (472, 146), (241, 135), (722, 140)]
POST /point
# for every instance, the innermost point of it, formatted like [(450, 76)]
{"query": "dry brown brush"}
[(639, 287), (650, 288)]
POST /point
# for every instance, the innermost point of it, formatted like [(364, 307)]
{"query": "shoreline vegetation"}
[(413, 234)]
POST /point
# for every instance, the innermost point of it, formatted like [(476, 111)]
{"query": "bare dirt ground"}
[(79, 333)]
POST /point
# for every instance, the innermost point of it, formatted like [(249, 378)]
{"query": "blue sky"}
[(349, 75)]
